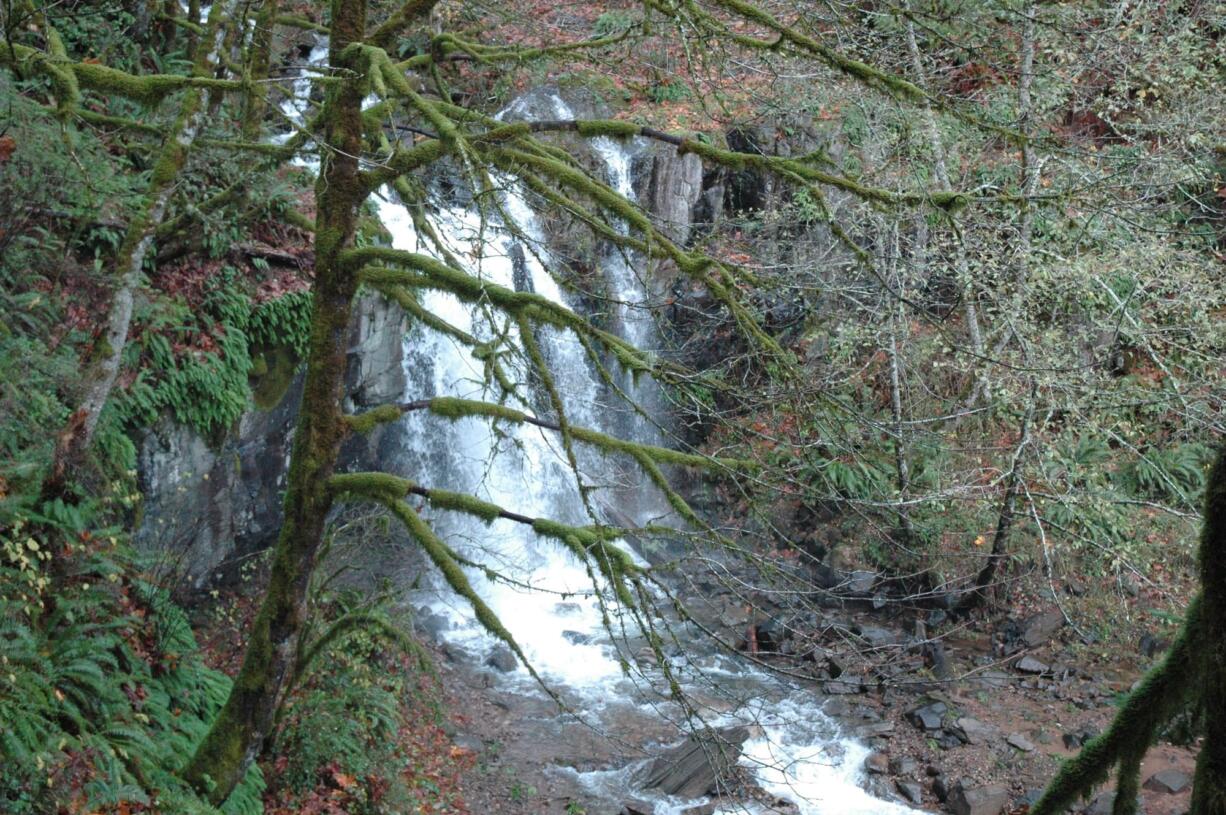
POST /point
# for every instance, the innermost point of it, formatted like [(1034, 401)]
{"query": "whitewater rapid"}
[(545, 596)]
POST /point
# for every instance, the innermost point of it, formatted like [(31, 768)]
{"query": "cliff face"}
[(207, 503), (210, 502)]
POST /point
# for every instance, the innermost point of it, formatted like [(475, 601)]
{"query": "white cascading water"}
[(552, 608)]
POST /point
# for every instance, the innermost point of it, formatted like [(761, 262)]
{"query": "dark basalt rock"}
[(701, 765)]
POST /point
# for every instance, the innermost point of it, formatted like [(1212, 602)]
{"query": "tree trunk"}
[(1008, 510), (243, 724), (73, 441), (1209, 784)]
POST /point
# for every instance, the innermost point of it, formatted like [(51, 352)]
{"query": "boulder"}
[(1041, 627), (969, 800), (910, 790), (207, 502), (973, 731), (696, 767), (672, 188), (1030, 665), (877, 763), (904, 765), (928, 717), (861, 582), (502, 658), (1168, 781), (1020, 742), (875, 730), (876, 636)]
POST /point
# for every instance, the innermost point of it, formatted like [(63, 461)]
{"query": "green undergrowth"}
[(356, 728), (230, 342), (103, 690)]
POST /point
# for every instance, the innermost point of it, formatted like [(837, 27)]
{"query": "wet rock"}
[(696, 766), (1030, 665), (576, 637), (973, 731), (910, 790), (928, 717), (432, 624), (1031, 796), (736, 618), (1168, 781), (1020, 742), (968, 800), (875, 730), (700, 809), (502, 659), (567, 609), (904, 765), (877, 764)]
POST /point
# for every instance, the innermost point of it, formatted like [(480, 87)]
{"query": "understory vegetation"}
[(939, 298)]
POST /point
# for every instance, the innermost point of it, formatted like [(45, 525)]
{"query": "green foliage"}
[(103, 691), (283, 321), (209, 389), (672, 91), (1174, 473), (347, 720), (611, 23)]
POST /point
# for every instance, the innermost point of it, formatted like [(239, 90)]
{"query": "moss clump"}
[(272, 372)]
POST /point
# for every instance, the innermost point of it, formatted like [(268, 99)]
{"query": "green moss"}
[(370, 419), (452, 408), (272, 372)]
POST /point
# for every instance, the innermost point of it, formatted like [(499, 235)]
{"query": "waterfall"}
[(547, 599)]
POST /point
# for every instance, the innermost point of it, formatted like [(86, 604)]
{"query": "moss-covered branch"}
[(147, 90), (454, 409)]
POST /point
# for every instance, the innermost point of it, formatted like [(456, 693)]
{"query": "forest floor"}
[(1018, 740), (1020, 692)]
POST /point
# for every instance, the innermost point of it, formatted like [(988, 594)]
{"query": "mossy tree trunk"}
[(1209, 786), (101, 373), (1193, 674), (247, 717)]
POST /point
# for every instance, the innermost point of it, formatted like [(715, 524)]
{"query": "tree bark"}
[(1209, 783), (944, 184), (1004, 520), (247, 717), (73, 441)]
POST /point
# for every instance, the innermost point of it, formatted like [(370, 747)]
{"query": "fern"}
[(94, 679)]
